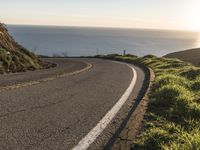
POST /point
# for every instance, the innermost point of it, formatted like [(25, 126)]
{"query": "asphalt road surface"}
[(56, 114)]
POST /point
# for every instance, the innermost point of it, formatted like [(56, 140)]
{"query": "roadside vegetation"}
[(16, 61), (172, 120), (14, 57)]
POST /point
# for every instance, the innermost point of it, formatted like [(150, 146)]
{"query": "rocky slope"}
[(192, 56), (14, 57)]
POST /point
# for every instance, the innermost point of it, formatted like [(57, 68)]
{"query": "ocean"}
[(88, 41)]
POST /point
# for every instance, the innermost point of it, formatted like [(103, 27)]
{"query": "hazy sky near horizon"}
[(170, 14)]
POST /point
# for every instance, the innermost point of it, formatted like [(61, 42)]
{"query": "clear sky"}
[(169, 14)]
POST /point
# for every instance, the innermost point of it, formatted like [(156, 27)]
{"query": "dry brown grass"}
[(191, 56)]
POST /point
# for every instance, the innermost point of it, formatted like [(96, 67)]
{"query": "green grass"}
[(172, 120)]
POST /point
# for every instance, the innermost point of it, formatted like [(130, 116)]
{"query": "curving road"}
[(59, 112)]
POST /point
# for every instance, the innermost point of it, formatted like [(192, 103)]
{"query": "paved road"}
[(63, 66), (57, 114)]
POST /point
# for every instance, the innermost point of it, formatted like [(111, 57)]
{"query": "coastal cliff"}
[(13, 56)]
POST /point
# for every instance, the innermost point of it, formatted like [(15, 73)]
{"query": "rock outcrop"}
[(13, 56)]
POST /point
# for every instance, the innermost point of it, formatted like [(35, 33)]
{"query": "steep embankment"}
[(14, 57), (192, 56)]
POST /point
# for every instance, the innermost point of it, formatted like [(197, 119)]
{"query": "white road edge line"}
[(98, 129)]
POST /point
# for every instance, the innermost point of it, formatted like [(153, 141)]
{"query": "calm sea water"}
[(79, 41)]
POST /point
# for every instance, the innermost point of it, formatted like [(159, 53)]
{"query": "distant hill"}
[(191, 55), (13, 56)]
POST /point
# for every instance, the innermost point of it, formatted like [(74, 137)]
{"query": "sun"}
[(192, 16)]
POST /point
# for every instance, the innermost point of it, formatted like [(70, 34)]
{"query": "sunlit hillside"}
[(14, 57), (192, 56)]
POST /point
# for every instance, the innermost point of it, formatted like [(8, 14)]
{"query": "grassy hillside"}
[(192, 56), (14, 57), (173, 117)]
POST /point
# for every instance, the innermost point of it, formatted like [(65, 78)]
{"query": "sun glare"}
[(193, 17), (198, 42)]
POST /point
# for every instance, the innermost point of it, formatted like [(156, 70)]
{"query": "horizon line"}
[(108, 27)]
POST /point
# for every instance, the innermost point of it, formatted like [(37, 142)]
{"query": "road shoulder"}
[(133, 123), (108, 138)]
